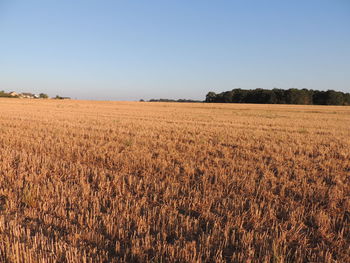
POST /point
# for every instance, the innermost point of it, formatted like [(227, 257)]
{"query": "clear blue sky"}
[(127, 50)]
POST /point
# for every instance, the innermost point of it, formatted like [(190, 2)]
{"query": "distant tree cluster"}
[(280, 96), (61, 98), (172, 100), (43, 96)]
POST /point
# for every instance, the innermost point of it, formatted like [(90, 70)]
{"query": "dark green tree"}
[(43, 96), (211, 97)]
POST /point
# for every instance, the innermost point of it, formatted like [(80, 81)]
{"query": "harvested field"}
[(88, 181)]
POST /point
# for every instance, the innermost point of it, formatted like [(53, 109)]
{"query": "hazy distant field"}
[(164, 182)]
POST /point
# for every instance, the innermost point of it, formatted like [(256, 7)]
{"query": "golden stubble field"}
[(84, 181)]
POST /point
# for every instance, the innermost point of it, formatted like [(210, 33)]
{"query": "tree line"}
[(280, 96), (172, 100)]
